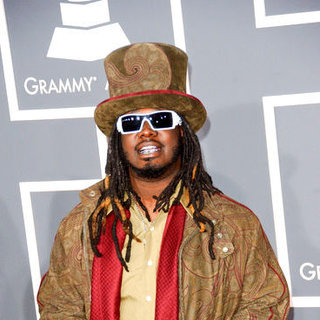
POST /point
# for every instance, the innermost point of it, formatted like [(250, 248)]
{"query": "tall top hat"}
[(147, 75)]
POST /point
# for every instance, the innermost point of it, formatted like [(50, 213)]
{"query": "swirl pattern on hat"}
[(145, 68)]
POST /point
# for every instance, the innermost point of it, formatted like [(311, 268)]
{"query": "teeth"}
[(148, 149)]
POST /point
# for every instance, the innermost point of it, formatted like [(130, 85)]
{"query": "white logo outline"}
[(279, 20), (269, 105)]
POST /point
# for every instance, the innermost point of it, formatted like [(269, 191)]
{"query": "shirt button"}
[(92, 193), (148, 298), (152, 228), (219, 235), (225, 249), (149, 263)]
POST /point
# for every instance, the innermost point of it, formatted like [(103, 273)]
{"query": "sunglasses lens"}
[(161, 120), (131, 123)]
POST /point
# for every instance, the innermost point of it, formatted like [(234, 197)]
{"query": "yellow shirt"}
[(138, 289)]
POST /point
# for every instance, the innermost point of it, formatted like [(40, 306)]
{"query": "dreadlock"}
[(118, 192)]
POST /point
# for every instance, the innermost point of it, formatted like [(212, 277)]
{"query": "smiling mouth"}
[(148, 150)]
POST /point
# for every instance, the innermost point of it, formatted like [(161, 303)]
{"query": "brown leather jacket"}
[(244, 282)]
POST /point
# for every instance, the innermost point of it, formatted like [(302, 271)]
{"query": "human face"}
[(152, 153)]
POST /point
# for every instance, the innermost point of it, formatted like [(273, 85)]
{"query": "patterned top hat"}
[(147, 75)]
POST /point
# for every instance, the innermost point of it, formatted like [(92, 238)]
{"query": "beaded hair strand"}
[(97, 221)]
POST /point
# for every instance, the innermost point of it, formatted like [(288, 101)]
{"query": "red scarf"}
[(107, 271)]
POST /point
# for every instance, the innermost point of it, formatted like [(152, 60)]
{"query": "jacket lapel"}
[(200, 277)]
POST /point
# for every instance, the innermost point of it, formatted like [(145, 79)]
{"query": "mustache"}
[(148, 140)]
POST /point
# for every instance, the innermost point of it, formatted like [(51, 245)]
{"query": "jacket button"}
[(219, 235), (225, 249), (92, 193)]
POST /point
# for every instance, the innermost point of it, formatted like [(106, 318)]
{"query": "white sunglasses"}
[(158, 120)]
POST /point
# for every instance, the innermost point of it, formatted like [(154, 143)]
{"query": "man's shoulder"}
[(228, 209), (88, 201)]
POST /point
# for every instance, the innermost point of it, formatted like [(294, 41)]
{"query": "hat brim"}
[(186, 105)]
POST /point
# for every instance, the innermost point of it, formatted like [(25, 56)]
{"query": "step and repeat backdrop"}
[(253, 63)]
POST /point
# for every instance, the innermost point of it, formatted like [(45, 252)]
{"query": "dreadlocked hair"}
[(117, 192)]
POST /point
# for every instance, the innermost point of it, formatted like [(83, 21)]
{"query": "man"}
[(155, 239)]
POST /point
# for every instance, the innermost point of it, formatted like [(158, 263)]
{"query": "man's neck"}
[(148, 189)]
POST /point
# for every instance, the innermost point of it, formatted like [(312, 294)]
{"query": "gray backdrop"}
[(253, 63)]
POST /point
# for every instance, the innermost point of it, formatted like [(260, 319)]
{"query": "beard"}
[(151, 171)]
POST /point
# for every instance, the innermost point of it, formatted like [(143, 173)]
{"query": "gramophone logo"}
[(86, 33)]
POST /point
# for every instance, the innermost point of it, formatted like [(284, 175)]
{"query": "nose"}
[(147, 131)]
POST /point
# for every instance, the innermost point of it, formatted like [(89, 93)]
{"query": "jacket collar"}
[(93, 193)]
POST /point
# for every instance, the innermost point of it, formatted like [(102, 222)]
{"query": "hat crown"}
[(146, 66), (147, 75)]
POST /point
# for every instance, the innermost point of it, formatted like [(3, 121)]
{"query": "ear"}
[(181, 131)]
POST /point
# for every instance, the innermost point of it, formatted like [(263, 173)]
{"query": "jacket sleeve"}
[(265, 293), (63, 289)]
